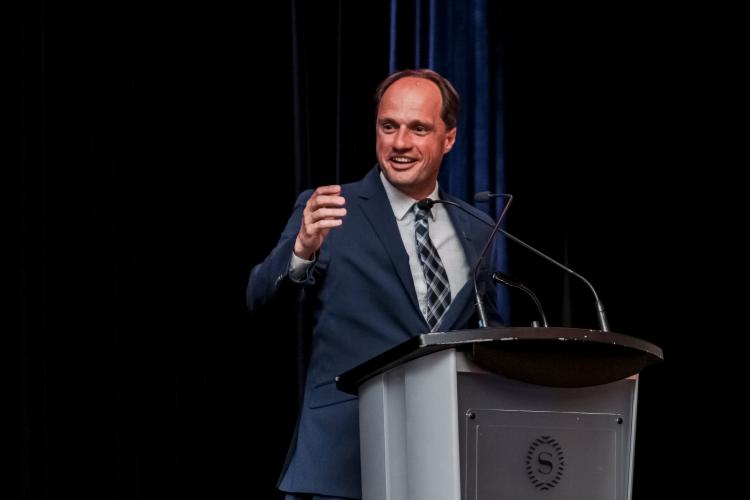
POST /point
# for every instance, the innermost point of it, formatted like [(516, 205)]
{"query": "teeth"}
[(401, 160)]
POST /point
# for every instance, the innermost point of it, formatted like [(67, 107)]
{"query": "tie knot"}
[(420, 214)]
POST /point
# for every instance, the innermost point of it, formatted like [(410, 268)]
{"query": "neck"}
[(415, 194)]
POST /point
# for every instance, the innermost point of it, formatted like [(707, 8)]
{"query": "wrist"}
[(301, 252)]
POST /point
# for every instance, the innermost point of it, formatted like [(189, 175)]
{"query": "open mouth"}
[(401, 162)]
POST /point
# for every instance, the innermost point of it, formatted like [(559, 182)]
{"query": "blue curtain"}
[(456, 38)]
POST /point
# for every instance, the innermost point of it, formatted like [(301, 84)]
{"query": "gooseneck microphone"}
[(427, 203), (602, 316), (484, 196), (503, 278)]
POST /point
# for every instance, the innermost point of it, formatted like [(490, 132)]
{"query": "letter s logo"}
[(545, 462)]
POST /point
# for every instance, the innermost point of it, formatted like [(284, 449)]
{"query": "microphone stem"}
[(537, 303), (603, 324), (480, 308), (480, 304), (499, 277)]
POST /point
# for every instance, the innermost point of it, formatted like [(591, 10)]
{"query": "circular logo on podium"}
[(545, 463)]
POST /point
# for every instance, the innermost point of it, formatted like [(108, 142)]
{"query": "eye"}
[(420, 129), (387, 127)]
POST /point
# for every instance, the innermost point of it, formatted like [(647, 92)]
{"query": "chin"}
[(401, 179)]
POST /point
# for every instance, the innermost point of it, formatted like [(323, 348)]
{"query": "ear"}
[(450, 140)]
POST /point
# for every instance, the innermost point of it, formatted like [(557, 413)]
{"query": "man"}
[(376, 270)]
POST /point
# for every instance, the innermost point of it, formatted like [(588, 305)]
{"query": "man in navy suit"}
[(375, 271)]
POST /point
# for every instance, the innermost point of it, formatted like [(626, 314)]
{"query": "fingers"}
[(310, 232), (332, 189), (323, 212), (326, 197), (325, 203)]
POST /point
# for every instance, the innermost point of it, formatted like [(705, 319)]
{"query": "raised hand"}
[(323, 212)]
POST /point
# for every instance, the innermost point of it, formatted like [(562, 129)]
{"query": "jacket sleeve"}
[(270, 279)]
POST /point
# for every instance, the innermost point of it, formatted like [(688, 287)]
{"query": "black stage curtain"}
[(156, 151)]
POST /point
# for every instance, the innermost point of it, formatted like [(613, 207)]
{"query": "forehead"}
[(411, 95)]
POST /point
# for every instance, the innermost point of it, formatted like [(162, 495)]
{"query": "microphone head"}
[(425, 204), (501, 277), (482, 196)]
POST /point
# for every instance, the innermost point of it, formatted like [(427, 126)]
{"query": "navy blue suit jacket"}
[(363, 303)]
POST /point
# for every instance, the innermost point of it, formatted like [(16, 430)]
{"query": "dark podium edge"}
[(555, 357)]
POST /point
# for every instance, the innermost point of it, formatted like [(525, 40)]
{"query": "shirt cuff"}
[(298, 268)]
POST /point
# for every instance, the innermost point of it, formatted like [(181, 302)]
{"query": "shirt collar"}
[(402, 203)]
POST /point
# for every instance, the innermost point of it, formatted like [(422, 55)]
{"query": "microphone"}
[(500, 277), (427, 203), (484, 196)]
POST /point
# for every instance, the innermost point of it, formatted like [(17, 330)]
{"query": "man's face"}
[(411, 137)]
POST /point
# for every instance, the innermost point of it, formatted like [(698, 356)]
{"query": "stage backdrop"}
[(157, 152)]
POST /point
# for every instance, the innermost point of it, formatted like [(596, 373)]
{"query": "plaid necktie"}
[(438, 288)]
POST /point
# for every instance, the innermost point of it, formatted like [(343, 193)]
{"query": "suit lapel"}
[(377, 209)]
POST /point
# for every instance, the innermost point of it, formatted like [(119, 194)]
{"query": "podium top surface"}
[(555, 356)]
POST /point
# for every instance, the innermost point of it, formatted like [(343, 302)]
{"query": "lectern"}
[(501, 414)]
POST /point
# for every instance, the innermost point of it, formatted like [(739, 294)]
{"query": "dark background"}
[(155, 155)]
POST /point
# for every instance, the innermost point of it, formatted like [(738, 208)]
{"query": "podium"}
[(500, 413)]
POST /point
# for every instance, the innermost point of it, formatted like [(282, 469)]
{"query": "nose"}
[(402, 140)]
